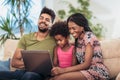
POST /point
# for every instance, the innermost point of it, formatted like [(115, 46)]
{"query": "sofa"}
[(111, 56), (110, 49)]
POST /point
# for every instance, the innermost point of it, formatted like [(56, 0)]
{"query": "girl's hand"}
[(57, 70)]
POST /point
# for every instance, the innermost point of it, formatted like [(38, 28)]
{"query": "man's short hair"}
[(49, 12)]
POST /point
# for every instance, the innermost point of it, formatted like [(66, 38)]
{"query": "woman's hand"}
[(57, 70)]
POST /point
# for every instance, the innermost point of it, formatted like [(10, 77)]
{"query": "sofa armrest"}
[(118, 77), (111, 55)]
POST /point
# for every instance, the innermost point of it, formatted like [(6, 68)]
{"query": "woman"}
[(88, 52)]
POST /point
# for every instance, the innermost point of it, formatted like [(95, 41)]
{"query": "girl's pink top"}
[(65, 57)]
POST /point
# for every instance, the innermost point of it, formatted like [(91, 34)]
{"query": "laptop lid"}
[(37, 61)]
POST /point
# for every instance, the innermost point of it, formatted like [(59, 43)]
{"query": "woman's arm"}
[(74, 60), (86, 63)]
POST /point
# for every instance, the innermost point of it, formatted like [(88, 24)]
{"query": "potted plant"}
[(18, 19)]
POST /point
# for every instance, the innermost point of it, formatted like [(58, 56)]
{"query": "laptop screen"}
[(37, 61)]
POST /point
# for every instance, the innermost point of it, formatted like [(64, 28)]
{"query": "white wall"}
[(107, 12)]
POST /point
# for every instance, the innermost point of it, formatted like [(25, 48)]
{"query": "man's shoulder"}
[(28, 36)]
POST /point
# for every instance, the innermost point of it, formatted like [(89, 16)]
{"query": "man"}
[(34, 41)]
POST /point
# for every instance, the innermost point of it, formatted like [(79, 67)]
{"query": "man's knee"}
[(31, 76)]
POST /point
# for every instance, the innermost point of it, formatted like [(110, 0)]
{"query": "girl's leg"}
[(70, 76)]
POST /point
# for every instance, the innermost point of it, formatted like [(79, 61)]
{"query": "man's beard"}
[(43, 30)]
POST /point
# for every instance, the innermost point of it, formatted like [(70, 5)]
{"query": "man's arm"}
[(17, 60)]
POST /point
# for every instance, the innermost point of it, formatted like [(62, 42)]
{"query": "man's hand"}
[(17, 61)]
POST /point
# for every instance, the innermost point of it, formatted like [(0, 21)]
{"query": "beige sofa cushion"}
[(9, 48), (111, 55)]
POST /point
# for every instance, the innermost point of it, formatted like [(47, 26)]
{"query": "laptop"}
[(37, 61)]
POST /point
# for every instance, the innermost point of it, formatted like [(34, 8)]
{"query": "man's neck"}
[(41, 36)]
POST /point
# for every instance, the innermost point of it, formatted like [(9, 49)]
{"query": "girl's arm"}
[(55, 57)]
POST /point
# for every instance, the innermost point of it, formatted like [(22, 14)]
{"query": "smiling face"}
[(61, 40), (44, 22), (74, 29)]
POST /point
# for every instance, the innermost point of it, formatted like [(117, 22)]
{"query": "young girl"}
[(64, 51), (87, 51)]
